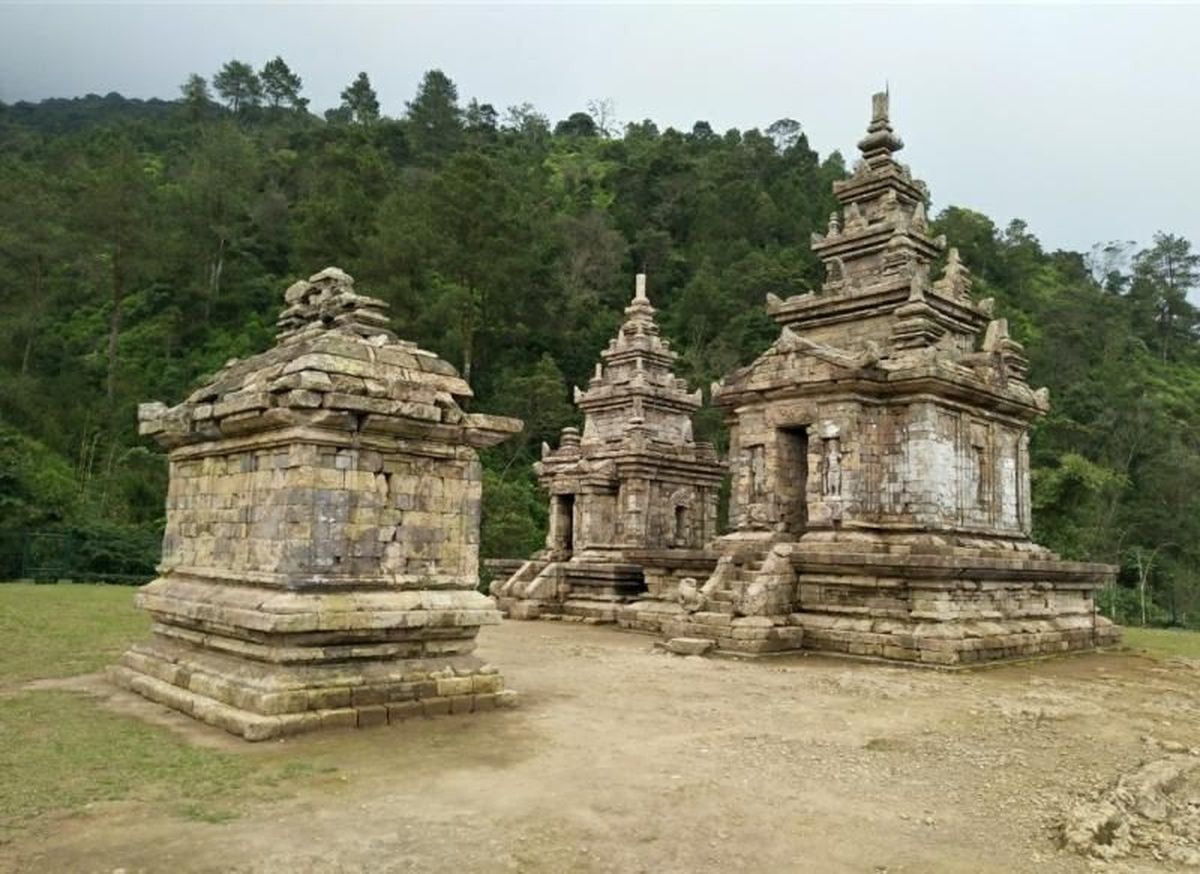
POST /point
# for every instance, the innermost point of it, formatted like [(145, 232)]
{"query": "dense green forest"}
[(144, 243)]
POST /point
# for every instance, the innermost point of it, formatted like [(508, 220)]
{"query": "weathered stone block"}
[(689, 645)]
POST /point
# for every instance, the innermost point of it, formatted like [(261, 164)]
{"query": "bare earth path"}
[(623, 759)]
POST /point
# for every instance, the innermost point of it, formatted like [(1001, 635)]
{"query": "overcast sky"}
[(1084, 121)]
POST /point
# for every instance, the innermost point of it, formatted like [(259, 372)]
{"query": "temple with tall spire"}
[(634, 480), (879, 454)]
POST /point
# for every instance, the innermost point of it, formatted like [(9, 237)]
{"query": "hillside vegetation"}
[(145, 243)]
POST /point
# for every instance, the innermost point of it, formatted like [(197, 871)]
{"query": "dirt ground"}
[(620, 758)]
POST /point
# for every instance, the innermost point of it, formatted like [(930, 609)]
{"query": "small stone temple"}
[(634, 480), (879, 453), (320, 560)]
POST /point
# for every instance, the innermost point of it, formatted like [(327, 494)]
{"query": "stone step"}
[(689, 645)]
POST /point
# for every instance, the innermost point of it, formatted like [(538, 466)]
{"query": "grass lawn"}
[(1163, 641), (61, 750), (64, 630)]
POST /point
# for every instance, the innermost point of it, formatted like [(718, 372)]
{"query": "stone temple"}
[(320, 561), (880, 465), (634, 481)]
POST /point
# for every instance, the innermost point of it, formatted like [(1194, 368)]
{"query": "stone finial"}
[(327, 300), (879, 106), (919, 220), (956, 279), (997, 330), (880, 141), (640, 287)]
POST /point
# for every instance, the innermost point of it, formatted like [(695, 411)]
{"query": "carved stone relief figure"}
[(831, 468), (758, 472)]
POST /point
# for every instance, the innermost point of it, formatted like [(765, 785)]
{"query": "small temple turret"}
[(634, 480)]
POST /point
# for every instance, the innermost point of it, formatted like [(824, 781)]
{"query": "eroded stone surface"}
[(635, 479), (320, 559)]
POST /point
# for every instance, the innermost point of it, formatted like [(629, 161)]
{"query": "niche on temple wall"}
[(681, 522), (980, 488), (831, 454), (755, 488)]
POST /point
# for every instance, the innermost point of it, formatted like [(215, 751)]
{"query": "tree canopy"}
[(145, 243)]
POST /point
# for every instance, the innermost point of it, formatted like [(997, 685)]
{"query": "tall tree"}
[(434, 118), (114, 214), (196, 96), (360, 101), (1162, 277), (280, 85), (239, 85), (217, 191), (33, 243)]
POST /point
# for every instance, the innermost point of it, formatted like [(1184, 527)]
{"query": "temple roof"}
[(879, 315), (878, 252), (634, 382), (335, 364)]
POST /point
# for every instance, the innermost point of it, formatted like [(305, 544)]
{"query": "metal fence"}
[(125, 557)]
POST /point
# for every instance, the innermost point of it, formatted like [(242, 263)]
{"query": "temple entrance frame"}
[(792, 479), (563, 535)]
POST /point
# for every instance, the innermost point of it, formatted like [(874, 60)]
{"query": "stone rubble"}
[(320, 559), (1146, 812)]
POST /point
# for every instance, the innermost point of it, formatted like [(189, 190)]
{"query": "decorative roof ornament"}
[(956, 279), (881, 141)]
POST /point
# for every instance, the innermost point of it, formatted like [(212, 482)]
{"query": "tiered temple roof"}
[(634, 386), (879, 305)]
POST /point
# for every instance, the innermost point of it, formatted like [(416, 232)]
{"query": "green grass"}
[(61, 750), (63, 630), (1163, 641), (58, 750)]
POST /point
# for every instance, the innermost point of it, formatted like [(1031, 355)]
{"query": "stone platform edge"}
[(258, 727)]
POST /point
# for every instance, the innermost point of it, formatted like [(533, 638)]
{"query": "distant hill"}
[(59, 115)]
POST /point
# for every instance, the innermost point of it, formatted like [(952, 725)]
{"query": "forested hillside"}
[(145, 243)]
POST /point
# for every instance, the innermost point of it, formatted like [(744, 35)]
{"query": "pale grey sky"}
[(1082, 120)]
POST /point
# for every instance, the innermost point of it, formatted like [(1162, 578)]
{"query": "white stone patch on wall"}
[(940, 472), (1007, 496)]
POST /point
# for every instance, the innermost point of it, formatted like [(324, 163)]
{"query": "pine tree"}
[(435, 120), (238, 84), (280, 85), (359, 100)]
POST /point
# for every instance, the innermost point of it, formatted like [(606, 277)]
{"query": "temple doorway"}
[(792, 481), (564, 522)]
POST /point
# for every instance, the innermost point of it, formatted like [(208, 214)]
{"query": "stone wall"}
[(301, 508)]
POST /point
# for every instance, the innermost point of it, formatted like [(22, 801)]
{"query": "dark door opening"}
[(564, 509), (792, 488)]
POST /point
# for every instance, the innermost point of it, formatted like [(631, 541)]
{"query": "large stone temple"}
[(635, 480), (320, 561), (879, 453)]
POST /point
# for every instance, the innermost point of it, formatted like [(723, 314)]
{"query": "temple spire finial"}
[(879, 105), (881, 141), (639, 292)]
